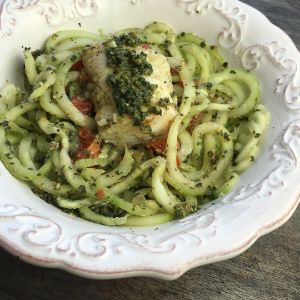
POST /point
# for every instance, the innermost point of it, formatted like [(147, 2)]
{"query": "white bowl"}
[(265, 198)]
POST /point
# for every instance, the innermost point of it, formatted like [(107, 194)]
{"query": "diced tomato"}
[(178, 161), (100, 194), (90, 152), (88, 146), (146, 46), (195, 121), (81, 154), (86, 137), (159, 145), (78, 66), (174, 72), (94, 149), (180, 83), (83, 105), (197, 83)]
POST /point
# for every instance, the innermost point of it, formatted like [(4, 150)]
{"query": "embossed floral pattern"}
[(231, 37), (286, 83), (54, 11)]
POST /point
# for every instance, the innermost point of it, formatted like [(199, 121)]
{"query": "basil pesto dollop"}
[(132, 93)]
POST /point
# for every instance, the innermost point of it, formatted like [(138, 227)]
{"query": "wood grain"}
[(269, 270)]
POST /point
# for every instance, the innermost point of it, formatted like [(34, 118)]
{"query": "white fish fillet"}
[(120, 129)]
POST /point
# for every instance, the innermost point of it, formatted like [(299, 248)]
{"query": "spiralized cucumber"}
[(216, 135)]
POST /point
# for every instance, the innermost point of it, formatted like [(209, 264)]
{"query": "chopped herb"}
[(211, 192), (38, 69), (210, 153), (37, 53), (79, 194), (5, 125), (129, 39), (40, 157), (43, 195), (108, 210), (184, 209), (225, 65), (164, 102), (131, 90), (146, 129), (9, 155), (226, 136), (73, 57), (208, 85), (155, 110)]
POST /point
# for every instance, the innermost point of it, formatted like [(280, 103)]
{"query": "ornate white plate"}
[(266, 196)]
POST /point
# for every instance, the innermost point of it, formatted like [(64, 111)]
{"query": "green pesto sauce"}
[(131, 91), (108, 210), (129, 39)]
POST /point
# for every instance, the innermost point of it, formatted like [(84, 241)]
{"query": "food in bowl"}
[(136, 128)]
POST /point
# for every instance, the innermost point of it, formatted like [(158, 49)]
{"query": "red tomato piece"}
[(180, 83), (78, 66), (197, 83), (80, 154), (174, 72), (100, 194), (86, 137), (88, 146), (178, 161), (195, 121), (146, 46), (94, 149), (159, 145), (83, 105)]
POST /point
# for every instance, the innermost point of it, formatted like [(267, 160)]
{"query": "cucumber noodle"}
[(39, 132)]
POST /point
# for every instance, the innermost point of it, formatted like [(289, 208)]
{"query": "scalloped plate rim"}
[(156, 273), (264, 229)]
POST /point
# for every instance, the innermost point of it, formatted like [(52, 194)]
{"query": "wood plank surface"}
[(268, 270)]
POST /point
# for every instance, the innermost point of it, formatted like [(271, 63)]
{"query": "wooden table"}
[(269, 270)]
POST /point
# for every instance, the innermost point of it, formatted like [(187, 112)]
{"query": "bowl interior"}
[(237, 30)]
